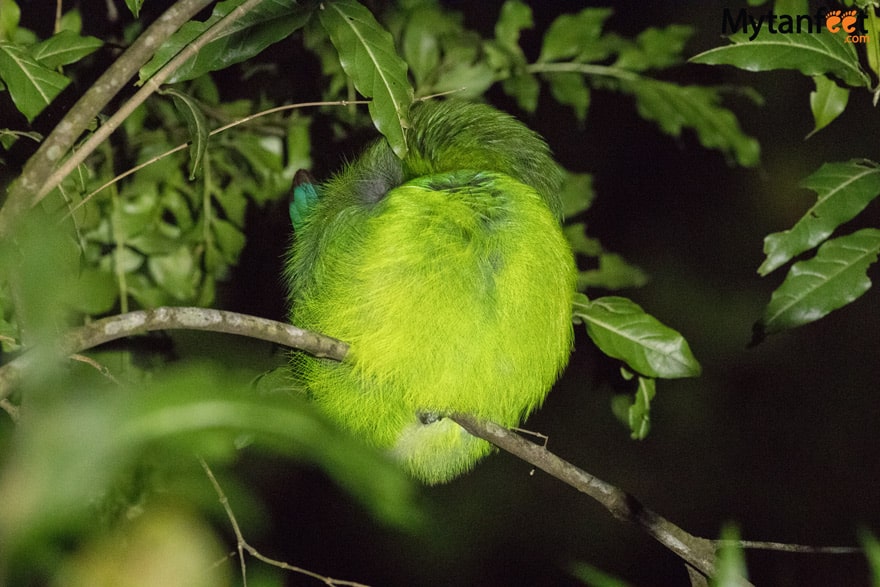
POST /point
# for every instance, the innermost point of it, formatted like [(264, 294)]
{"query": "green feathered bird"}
[(448, 275)]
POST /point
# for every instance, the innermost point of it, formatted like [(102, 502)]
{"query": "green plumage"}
[(448, 275)]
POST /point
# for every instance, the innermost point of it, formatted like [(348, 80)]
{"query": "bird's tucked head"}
[(448, 136)]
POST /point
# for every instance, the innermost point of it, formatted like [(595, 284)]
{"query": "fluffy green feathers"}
[(448, 275)]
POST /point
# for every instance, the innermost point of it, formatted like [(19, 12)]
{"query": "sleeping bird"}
[(448, 275)]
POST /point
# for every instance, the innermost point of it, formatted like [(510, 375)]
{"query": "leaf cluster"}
[(836, 274)]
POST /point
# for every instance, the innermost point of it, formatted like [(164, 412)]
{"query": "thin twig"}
[(102, 369), (794, 548), (242, 545), (183, 146)]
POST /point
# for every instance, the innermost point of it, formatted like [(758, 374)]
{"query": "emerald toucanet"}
[(448, 275)]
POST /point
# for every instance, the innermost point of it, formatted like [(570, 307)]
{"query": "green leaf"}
[(872, 23), (64, 48), (524, 89), (134, 6), (731, 567), (832, 279), (267, 23), (515, 16), (675, 107), (872, 551), (94, 292), (367, 54), (595, 577), (421, 40), (577, 194), (622, 330), (230, 239), (31, 85), (635, 412), (464, 67), (811, 54), (827, 102), (655, 48), (844, 190), (571, 89), (576, 234), (196, 125), (71, 21), (10, 14), (576, 35), (176, 273), (614, 272)]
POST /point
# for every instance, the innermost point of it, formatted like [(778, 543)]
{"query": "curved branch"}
[(698, 553), (178, 318)]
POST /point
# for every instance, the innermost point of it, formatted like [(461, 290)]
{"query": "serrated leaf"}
[(622, 330), (835, 277), (675, 107), (367, 54), (64, 48), (811, 54), (575, 35), (827, 102), (196, 125), (31, 85), (267, 23), (844, 190)]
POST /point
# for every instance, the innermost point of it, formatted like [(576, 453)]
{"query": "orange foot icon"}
[(836, 19)]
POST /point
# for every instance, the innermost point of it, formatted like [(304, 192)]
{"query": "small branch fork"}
[(698, 553), (243, 546)]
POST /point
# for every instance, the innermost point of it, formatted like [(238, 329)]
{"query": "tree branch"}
[(179, 318), (243, 546), (23, 192), (698, 553), (151, 85)]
